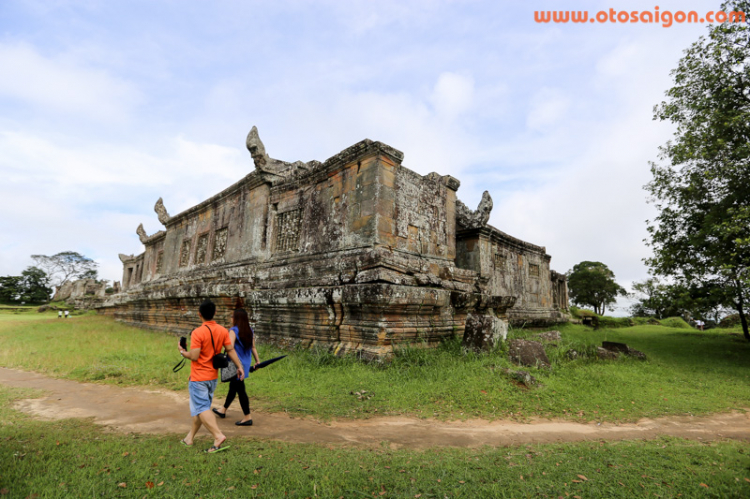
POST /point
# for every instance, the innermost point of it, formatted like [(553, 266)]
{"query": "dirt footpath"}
[(146, 411)]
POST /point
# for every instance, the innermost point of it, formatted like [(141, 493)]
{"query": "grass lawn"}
[(687, 372), (75, 458)]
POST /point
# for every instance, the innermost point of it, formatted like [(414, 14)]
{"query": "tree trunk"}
[(743, 318), (741, 309)]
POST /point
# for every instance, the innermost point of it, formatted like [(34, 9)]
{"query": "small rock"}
[(572, 354), (636, 354), (605, 354), (43, 308), (613, 346), (522, 377), (527, 353)]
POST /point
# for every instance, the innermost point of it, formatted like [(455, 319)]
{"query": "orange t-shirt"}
[(203, 369)]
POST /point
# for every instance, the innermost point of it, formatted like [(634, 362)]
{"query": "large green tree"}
[(32, 286), (656, 299), (9, 288), (701, 187), (66, 266), (661, 300), (593, 284)]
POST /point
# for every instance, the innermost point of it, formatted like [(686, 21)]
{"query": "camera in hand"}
[(183, 342)]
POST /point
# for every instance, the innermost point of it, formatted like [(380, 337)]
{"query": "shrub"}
[(579, 313), (645, 321), (730, 321), (678, 322), (613, 322)]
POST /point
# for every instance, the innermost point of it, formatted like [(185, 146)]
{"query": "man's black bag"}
[(219, 360)]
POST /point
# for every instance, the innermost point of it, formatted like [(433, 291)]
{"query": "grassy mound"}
[(677, 322)]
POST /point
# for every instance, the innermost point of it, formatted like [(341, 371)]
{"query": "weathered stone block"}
[(482, 332), (523, 377), (527, 353), (605, 354)]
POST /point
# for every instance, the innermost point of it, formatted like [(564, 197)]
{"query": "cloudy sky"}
[(105, 106)]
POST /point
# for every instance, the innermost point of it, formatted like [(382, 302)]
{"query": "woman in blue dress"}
[(243, 340)]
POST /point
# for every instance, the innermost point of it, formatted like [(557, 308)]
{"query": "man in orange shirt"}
[(205, 342)]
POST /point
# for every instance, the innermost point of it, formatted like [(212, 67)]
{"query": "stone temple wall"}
[(357, 253), (512, 267)]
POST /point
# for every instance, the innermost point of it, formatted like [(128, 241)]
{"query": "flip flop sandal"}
[(213, 449), (185, 443)]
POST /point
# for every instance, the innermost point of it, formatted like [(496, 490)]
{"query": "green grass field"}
[(74, 458), (687, 372)]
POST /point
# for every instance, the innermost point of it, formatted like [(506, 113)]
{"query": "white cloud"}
[(63, 84), (453, 95), (90, 197), (28, 159), (548, 108)]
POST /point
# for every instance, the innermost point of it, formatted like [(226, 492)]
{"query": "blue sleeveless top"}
[(244, 353)]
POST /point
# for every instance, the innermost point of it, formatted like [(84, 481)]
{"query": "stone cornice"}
[(500, 237), (249, 181)]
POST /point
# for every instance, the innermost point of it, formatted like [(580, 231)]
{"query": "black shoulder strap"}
[(179, 365), (212, 338)]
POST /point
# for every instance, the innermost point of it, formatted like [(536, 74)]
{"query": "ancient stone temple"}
[(358, 253), (84, 293)]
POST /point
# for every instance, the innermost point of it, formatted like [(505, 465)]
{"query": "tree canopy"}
[(66, 266), (593, 284), (32, 286), (661, 300), (701, 235)]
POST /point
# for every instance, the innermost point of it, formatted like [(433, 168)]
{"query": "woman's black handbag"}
[(219, 360)]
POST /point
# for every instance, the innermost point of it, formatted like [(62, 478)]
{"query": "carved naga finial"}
[(268, 165), (257, 149), (161, 212), (141, 233), (125, 258), (467, 219)]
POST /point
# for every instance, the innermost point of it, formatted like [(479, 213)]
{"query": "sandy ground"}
[(147, 411)]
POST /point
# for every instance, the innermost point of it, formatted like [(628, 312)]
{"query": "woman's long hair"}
[(244, 331)]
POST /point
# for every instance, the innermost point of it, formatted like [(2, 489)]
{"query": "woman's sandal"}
[(213, 449)]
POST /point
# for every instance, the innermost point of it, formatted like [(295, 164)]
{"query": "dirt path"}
[(143, 411)]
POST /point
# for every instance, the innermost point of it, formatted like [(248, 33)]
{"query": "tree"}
[(593, 284), (9, 288), (701, 236), (32, 286), (66, 266), (661, 300), (656, 299)]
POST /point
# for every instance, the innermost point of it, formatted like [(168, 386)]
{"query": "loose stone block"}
[(528, 353)]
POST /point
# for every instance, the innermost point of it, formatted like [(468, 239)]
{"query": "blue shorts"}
[(201, 396)]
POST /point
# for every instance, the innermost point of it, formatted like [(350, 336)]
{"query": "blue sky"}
[(107, 106)]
